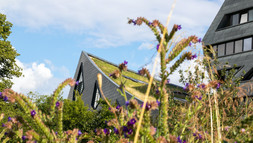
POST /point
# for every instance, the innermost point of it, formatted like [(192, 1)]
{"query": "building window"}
[(238, 46), (79, 86), (96, 96), (251, 15), (247, 44), (235, 19), (244, 18), (248, 75), (221, 50), (229, 48)]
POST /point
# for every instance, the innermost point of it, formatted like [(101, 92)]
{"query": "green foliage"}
[(8, 67), (77, 115)]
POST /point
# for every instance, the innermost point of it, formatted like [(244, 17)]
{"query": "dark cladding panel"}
[(229, 48), (221, 50), (251, 15), (238, 46)]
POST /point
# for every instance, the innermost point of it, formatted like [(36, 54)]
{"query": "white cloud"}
[(146, 45), (37, 77), (106, 20)]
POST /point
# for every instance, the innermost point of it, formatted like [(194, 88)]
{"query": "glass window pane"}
[(229, 48), (250, 15), (221, 50), (235, 19), (244, 18), (238, 46), (247, 44)]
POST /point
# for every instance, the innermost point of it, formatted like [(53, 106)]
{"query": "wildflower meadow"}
[(215, 109)]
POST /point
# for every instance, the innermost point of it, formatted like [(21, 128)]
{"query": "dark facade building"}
[(231, 35), (86, 75)]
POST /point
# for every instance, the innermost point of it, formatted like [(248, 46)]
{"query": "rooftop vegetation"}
[(135, 88)]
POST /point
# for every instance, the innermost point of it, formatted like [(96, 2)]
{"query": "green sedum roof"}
[(135, 88)]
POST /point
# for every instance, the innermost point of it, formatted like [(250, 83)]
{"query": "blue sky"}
[(50, 34)]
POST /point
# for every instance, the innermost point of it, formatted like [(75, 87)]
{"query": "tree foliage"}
[(8, 66)]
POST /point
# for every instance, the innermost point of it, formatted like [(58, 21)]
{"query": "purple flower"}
[(186, 86), (179, 27), (77, 82), (190, 44), (157, 47), (134, 22), (33, 113), (130, 131), (158, 102), (148, 106), (132, 121), (149, 23), (179, 140), (1, 96), (127, 103), (5, 133), (157, 91), (194, 134), (168, 81), (3, 125), (200, 136), (116, 131), (79, 133), (106, 131), (199, 40), (199, 98), (56, 133), (194, 56), (9, 118), (5, 98), (57, 104), (109, 108), (125, 62), (203, 86), (125, 129), (23, 138), (118, 107), (218, 85)]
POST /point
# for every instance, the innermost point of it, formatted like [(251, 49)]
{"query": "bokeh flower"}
[(57, 104), (23, 138), (79, 133), (157, 47), (33, 113), (193, 56), (127, 103), (179, 27), (106, 131), (5, 98), (116, 131)]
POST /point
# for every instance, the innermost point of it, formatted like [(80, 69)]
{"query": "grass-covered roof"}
[(137, 89)]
